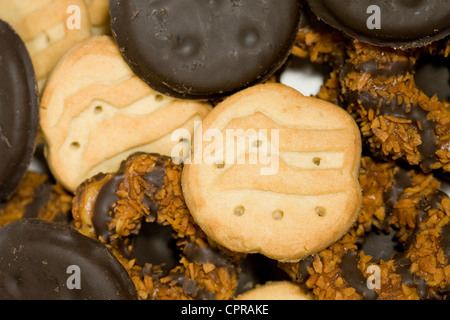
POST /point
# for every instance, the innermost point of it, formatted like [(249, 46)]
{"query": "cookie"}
[(204, 49), (276, 290), (37, 197), (19, 110), (274, 172), (49, 261), (95, 112), (99, 16), (398, 120), (49, 29), (398, 248), (139, 212), (398, 24)]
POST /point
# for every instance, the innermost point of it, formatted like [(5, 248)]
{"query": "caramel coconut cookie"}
[(37, 197), (49, 29), (95, 112), (144, 200), (398, 97), (398, 120), (397, 249), (275, 173)]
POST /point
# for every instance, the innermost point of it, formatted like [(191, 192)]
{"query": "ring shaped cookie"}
[(398, 120), (397, 250), (146, 193), (274, 172)]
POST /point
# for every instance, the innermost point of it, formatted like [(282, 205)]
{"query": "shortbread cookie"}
[(48, 27), (96, 112), (99, 16), (276, 290), (291, 185), (19, 110)]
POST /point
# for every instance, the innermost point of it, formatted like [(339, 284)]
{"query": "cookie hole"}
[(317, 161), (277, 215), (257, 144), (220, 165), (320, 211), (239, 211), (159, 98), (98, 109), (75, 145)]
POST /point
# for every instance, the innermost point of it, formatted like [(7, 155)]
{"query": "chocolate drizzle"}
[(41, 196), (445, 241), (354, 277), (104, 207), (382, 105)]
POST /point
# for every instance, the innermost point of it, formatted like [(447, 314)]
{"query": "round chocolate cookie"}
[(204, 49), (398, 249), (19, 110), (48, 261), (395, 23), (139, 212)]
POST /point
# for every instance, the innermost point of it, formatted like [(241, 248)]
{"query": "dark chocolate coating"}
[(35, 258), (404, 23), (19, 110), (204, 49)]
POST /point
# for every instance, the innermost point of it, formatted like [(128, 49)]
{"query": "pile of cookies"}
[(151, 151)]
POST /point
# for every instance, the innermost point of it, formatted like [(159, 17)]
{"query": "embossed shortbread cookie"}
[(95, 112), (99, 16), (276, 290), (49, 29), (274, 172)]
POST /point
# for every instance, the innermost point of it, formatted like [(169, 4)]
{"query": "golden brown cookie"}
[(49, 29), (95, 112), (99, 16), (274, 172), (276, 290)]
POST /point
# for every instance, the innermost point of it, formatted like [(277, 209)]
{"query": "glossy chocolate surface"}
[(402, 23), (19, 110), (38, 259), (204, 49)]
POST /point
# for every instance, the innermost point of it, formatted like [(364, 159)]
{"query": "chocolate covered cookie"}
[(48, 261), (204, 49), (394, 23), (19, 110)]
